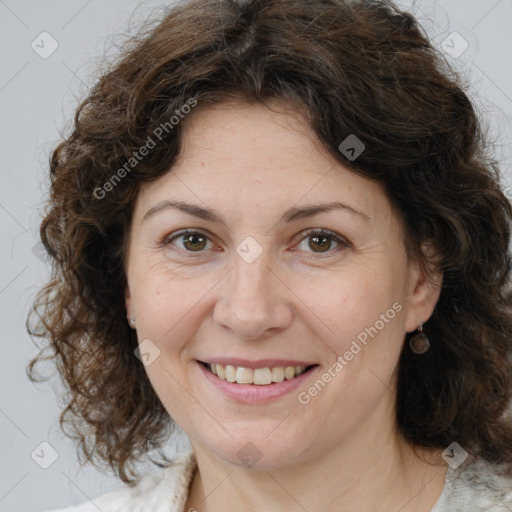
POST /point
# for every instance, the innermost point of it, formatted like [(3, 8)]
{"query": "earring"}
[(419, 342), (132, 321)]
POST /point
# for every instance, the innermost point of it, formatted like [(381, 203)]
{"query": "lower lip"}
[(252, 393)]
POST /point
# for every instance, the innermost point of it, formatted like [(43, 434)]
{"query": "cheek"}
[(169, 306), (157, 304), (345, 305), (167, 315)]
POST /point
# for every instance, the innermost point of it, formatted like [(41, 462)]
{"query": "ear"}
[(424, 291)]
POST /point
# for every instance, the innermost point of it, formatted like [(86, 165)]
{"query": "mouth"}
[(265, 376)]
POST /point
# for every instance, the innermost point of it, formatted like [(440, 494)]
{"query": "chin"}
[(258, 452)]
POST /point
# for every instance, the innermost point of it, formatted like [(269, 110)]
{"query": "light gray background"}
[(37, 98)]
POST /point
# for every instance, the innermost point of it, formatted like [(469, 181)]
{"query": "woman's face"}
[(254, 286)]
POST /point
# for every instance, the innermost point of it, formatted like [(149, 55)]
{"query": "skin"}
[(251, 163)]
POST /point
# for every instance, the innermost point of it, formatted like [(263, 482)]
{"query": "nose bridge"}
[(251, 301), (249, 290), (249, 279)]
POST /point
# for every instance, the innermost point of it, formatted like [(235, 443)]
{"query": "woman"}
[(274, 223)]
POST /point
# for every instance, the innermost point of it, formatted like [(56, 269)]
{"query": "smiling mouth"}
[(256, 376)]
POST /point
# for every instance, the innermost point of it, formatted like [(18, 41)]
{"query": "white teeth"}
[(244, 375), (262, 376), (230, 373), (277, 374), (289, 372), (258, 376)]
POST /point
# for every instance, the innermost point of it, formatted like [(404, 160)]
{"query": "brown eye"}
[(194, 242), (320, 242), (191, 241)]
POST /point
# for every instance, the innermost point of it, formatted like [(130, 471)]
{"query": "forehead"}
[(248, 158)]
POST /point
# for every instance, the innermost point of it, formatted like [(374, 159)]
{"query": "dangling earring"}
[(419, 342)]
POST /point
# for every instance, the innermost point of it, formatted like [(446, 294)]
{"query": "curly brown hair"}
[(359, 67)]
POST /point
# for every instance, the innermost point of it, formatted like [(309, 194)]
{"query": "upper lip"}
[(260, 363)]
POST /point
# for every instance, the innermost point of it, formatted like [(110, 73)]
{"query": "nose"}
[(252, 301)]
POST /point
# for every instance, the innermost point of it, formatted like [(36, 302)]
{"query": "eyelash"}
[(342, 242)]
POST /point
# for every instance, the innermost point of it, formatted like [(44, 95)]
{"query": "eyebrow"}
[(294, 213)]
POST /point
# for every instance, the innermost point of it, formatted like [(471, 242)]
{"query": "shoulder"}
[(477, 486), (165, 489)]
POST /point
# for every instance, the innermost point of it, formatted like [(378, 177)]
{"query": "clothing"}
[(476, 486), (165, 490)]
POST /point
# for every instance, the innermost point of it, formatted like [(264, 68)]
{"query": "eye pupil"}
[(323, 239), (193, 238)]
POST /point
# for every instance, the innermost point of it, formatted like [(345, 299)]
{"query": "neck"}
[(376, 470)]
